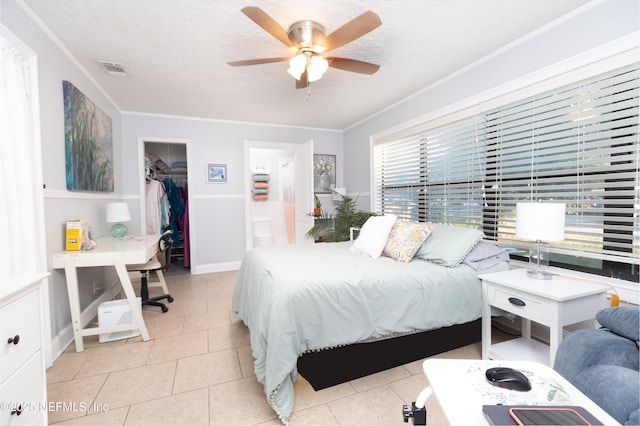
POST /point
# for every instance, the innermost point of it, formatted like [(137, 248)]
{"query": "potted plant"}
[(331, 228), (318, 208)]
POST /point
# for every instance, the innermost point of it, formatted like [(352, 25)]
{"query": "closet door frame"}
[(141, 172)]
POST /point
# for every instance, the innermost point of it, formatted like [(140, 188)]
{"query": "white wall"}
[(558, 47)]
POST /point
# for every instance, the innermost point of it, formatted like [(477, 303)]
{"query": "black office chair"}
[(165, 244)]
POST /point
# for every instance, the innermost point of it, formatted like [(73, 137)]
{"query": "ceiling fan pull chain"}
[(308, 90)]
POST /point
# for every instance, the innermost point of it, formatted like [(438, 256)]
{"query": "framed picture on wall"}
[(216, 173), (88, 143), (324, 173)]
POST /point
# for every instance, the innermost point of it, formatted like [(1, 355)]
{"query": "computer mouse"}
[(508, 378)]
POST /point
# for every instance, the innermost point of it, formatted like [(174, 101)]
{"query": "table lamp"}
[(540, 222), (338, 193), (116, 214)]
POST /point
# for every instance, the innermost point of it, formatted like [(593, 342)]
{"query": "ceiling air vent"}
[(113, 68)]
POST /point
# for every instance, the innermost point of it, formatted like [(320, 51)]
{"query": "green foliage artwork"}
[(88, 143)]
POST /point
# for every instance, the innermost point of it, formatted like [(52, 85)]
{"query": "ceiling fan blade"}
[(353, 65), (303, 82), (256, 61), (267, 23), (352, 30)]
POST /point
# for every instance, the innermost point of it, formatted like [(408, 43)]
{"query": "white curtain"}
[(18, 225)]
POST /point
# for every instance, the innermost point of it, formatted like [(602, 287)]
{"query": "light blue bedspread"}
[(296, 298)]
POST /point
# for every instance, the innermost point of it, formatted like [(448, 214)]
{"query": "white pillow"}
[(373, 235)]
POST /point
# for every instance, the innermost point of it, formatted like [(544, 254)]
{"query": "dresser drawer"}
[(24, 390), (20, 318), (523, 304)]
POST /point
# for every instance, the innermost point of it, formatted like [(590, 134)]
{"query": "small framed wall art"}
[(217, 173), (324, 173)]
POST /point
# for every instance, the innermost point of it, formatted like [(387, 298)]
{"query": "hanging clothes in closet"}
[(156, 202), (185, 229), (157, 206), (176, 204), (173, 182)]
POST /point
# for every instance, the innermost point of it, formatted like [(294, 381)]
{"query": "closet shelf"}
[(160, 175)]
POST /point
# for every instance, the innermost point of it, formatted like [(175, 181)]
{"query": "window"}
[(578, 144), (437, 174)]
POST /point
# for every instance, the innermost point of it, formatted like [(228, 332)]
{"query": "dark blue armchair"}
[(604, 363)]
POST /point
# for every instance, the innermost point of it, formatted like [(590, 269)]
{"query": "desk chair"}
[(165, 244)]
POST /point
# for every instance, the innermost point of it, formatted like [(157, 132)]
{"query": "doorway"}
[(279, 192), (165, 166)]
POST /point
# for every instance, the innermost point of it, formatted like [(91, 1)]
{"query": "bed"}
[(298, 300)]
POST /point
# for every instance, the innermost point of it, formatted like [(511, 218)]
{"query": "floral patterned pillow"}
[(405, 239)]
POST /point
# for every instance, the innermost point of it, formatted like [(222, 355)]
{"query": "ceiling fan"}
[(308, 39)]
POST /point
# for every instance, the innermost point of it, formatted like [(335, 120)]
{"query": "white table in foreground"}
[(116, 252), (461, 388)]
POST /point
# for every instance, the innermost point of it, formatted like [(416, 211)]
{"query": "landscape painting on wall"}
[(88, 143)]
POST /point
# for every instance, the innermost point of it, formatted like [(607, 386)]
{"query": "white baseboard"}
[(61, 342), (215, 267)]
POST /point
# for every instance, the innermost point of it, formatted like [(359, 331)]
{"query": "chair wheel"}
[(170, 299), (165, 309)]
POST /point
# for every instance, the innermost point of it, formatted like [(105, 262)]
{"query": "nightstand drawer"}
[(19, 320), (520, 303), (23, 391)]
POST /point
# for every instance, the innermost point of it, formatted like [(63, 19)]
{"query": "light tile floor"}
[(198, 369)]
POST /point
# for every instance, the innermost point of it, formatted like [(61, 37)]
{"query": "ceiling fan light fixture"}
[(297, 64), (308, 40), (316, 68)]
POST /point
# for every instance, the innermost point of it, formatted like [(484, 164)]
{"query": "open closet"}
[(166, 198)]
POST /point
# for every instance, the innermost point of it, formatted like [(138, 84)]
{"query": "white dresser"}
[(23, 387)]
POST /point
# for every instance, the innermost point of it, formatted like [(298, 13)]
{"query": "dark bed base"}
[(327, 368)]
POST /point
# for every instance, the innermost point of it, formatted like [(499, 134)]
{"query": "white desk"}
[(114, 252), (461, 388)]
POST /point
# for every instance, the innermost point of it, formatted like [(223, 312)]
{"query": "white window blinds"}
[(455, 168), (436, 175), (578, 144), (399, 177)]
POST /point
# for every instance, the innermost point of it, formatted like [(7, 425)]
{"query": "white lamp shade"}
[(540, 221), (317, 67), (337, 192), (297, 64), (118, 212)]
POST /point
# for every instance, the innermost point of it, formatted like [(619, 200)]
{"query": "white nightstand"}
[(555, 303)]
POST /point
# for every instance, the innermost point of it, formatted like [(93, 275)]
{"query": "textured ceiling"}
[(176, 52)]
